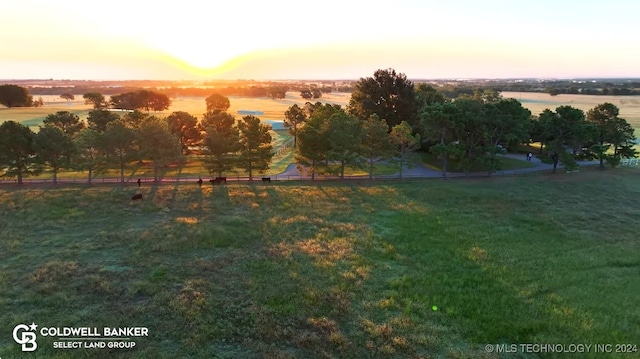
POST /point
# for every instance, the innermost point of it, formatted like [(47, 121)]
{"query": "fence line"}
[(279, 177)]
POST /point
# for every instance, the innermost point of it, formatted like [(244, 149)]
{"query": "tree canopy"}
[(217, 102), (387, 94), (15, 96)]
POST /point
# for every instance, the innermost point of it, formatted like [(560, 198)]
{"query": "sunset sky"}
[(346, 39)]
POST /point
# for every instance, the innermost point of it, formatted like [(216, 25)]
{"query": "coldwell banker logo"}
[(25, 335), (78, 337)]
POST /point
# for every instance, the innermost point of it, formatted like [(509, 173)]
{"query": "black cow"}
[(137, 197), (221, 179), (266, 179), (214, 181)]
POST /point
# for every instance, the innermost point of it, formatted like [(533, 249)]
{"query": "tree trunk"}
[(445, 157), (19, 177), (555, 159), (90, 175), (121, 172), (55, 175), (342, 169), (541, 147), (313, 170), (371, 168), (155, 172), (401, 164)]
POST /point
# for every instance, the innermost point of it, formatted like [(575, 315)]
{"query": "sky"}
[(328, 39)]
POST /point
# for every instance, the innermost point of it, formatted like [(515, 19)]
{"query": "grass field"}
[(328, 269)]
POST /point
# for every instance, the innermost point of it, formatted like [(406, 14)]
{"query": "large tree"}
[(313, 145), (376, 143), (158, 144), (405, 142), (99, 119), (68, 122), (141, 99), (185, 127), (387, 94), (611, 131), (345, 141), (508, 123), (217, 101), (439, 122), (54, 148), (294, 117), (119, 144), (562, 129), (96, 99), (15, 96), (17, 153), (220, 141), (68, 96), (88, 156), (256, 150)]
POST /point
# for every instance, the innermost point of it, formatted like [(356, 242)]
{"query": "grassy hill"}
[(327, 269)]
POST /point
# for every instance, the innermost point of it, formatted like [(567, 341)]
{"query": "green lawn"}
[(316, 270)]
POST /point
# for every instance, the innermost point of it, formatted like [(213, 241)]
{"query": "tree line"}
[(387, 118), (109, 140)]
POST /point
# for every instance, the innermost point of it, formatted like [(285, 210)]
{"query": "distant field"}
[(537, 102), (273, 109), (396, 269)]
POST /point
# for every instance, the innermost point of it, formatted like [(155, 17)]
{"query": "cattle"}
[(266, 179), (214, 181), (221, 179), (200, 182), (137, 197)]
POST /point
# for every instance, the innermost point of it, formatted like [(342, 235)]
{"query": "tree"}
[(376, 143), (293, 118), (158, 144), (345, 140), (185, 128), (17, 154), (507, 121), (255, 145), (387, 94), (306, 94), (68, 96), (15, 96), (88, 155), (277, 92), (118, 143), (427, 95), (141, 99), (99, 119), (564, 127), (220, 141), (313, 145), (439, 122), (96, 99), (401, 136), (217, 102), (55, 148), (135, 118), (610, 130), (68, 122)]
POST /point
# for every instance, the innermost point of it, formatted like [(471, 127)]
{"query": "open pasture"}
[(328, 269)]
